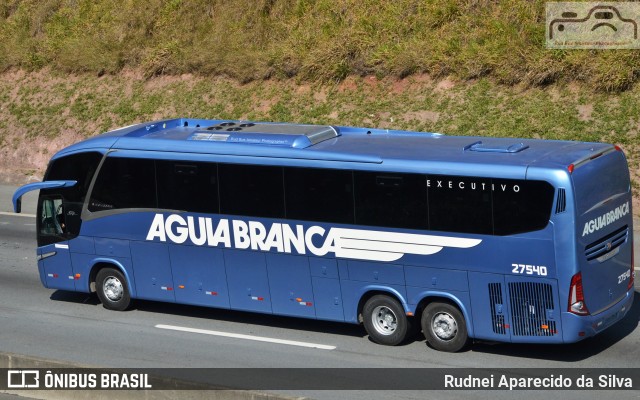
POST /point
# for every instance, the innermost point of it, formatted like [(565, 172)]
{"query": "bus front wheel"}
[(385, 320), (444, 327), (111, 287)]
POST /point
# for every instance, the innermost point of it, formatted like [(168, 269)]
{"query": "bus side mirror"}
[(17, 196)]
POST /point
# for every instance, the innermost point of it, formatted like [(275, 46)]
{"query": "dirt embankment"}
[(42, 112)]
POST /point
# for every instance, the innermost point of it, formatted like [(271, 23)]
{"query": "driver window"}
[(52, 217)]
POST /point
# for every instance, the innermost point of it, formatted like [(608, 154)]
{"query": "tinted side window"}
[(323, 195), (460, 204), (124, 183), (391, 200), (521, 206), (251, 190), (187, 186)]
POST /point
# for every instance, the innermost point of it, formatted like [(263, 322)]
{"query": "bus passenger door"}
[(54, 260), (489, 305)]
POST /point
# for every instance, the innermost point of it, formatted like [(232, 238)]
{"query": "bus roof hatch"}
[(495, 148), (273, 134)]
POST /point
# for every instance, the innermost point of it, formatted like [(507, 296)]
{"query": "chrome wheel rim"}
[(112, 289), (384, 320), (444, 326)]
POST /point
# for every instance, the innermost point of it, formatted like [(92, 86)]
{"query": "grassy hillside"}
[(74, 68), (318, 40), (40, 112)]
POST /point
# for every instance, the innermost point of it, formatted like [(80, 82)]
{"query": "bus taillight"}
[(576, 296)]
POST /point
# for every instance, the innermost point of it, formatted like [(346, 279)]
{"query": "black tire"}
[(444, 327), (385, 320), (112, 289)]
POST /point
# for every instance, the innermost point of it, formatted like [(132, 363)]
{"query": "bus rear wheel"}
[(444, 327), (385, 320), (112, 290)]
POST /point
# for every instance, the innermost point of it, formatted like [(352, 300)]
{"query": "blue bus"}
[(498, 239)]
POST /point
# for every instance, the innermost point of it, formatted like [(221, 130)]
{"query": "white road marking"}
[(10, 214), (247, 337)]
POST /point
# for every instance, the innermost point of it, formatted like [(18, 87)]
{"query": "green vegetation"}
[(74, 68), (316, 40), (44, 104)]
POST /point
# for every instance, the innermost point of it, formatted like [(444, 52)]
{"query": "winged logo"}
[(391, 246), (358, 244)]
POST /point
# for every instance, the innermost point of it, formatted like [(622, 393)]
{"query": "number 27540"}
[(526, 269)]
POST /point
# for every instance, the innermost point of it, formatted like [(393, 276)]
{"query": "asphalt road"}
[(74, 327)]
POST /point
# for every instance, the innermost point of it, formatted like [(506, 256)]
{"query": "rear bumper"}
[(576, 328)]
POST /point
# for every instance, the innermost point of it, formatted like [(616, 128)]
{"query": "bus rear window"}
[(599, 180)]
